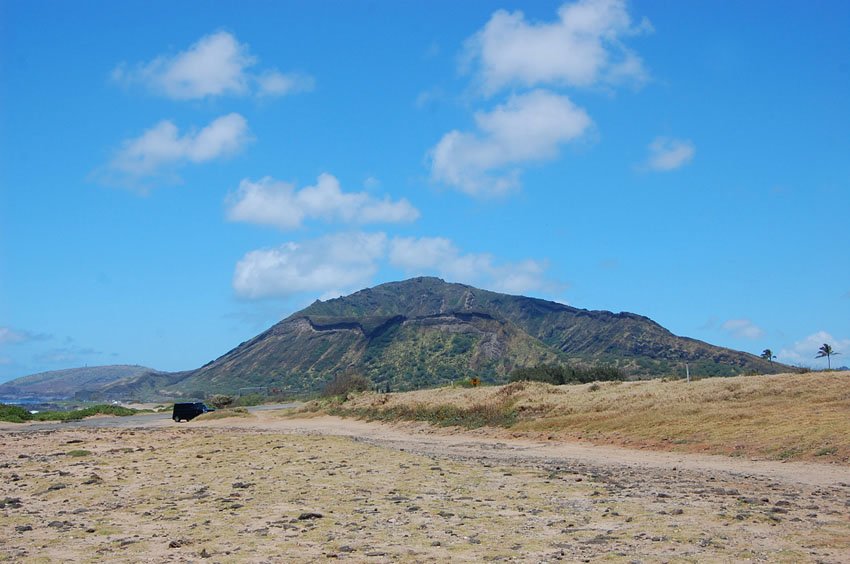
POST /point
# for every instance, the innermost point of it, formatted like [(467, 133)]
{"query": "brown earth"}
[(280, 489)]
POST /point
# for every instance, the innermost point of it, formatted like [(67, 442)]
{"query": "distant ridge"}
[(62, 384), (425, 332)]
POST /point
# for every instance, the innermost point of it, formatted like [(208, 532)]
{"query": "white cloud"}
[(669, 154), (427, 255), (330, 263), (162, 148), (216, 65), (529, 127), (803, 352), (742, 329), (280, 204), (582, 47)]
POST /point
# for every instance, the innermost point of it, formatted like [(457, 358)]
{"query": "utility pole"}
[(688, 372)]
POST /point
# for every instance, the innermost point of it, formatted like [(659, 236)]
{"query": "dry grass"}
[(786, 417), (223, 414)]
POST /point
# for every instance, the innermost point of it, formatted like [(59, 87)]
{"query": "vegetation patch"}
[(17, 414), (14, 413), (559, 375)]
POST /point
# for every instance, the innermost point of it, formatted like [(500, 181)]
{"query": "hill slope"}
[(59, 384), (424, 332)]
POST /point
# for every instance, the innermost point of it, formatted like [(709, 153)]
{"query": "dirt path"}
[(499, 446), (487, 444)]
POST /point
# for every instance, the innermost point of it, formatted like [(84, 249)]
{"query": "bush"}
[(344, 384), (17, 414), (471, 382), (559, 375), (14, 413), (220, 401)]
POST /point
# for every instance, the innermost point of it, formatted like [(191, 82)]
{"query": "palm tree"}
[(768, 355), (826, 351)]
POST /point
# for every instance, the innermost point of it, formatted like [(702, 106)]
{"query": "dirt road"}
[(483, 444), (498, 446)]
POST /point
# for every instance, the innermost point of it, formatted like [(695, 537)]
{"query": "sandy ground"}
[(273, 489)]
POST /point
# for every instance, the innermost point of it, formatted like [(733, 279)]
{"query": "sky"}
[(175, 177)]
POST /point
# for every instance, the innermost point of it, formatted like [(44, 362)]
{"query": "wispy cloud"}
[(742, 329), (280, 204), (529, 127), (582, 47), (429, 98), (275, 83), (667, 154), (11, 336), (66, 355), (216, 65), (155, 155)]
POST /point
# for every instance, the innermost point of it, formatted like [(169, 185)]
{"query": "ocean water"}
[(25, 401)]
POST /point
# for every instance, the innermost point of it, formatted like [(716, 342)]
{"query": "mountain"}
[(426, 332), (63, 384)]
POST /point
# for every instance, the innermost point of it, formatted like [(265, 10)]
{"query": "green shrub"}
[(82, 413), (14, 413), (559, 375)]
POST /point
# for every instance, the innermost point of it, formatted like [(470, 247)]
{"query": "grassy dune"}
[(784, 417)]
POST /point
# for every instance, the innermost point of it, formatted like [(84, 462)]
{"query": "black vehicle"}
[(189, 411)]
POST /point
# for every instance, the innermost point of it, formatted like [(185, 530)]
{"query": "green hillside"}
[(425, 332)]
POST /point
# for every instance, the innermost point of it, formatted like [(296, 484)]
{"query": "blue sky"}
[(177, 176)]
